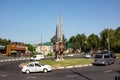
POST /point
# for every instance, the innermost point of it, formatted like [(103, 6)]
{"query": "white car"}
[(37, 57), (70, 55), (36, 67), (87, 56)]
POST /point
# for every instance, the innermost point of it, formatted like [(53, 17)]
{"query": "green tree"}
[(73, 42), (64, 39), (31, 47), (4, 42), (84, 43), (53, 39), (116, 45), (117, 33), (107, 37), (79, 42), (93, 41)]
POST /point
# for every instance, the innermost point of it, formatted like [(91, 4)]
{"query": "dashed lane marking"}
[(3, 75), (31, 77), (108, 71), (70, 76)]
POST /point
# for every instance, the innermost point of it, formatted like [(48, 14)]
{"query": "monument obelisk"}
[(61, 30), (56, 44), (61, 43)]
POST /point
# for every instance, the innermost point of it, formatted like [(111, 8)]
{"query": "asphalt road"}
[(11, 71)]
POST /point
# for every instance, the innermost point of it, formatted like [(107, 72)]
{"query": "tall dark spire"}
[(57, 35)]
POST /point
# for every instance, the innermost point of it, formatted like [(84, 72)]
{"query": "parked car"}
[(36, 67), (87, 55), (37, 57), (70, 55), (104, 58)]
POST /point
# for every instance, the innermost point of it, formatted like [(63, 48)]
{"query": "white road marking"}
[(107, 71), (31, 77), (71, 76), (3, 75)]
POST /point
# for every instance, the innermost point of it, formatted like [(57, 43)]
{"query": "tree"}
[(107, 38), (79, 42), (84, 43), (53, 39), (93, 41), (64, 39), (73, 41), (117, 33), (116, 45), (31, 47), (4, 42)]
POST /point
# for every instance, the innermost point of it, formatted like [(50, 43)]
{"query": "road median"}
[(66, 64)]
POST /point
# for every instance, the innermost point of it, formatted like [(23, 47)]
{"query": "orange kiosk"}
[(15, 47)]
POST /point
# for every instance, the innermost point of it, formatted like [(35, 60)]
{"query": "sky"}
[(33, 21)]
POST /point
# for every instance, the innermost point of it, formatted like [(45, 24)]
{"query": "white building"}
[(45, 48)]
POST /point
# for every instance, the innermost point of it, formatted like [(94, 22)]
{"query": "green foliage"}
[(31, 47), (95, 42), (79, 42), (53, 39), (4, 42), (50, 54)]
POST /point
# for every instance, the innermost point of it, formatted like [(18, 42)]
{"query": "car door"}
[(109, 59), (38, 67), (31, 67)]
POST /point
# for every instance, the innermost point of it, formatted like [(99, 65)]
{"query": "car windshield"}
[(107, 56), (98, 56), (41, 64), (34, 56)]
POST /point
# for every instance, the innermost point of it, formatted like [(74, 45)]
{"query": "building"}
[(45, 48), (2, 49), (16, 48)]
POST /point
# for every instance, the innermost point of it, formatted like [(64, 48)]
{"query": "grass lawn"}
[(117, 55), (67, 62)]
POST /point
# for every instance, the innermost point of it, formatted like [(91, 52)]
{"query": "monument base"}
[(58, 59)]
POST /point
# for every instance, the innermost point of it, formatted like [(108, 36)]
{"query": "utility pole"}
[(108, 40)]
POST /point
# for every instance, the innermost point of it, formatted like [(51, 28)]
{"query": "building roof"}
[(2, 47), (48, 44)]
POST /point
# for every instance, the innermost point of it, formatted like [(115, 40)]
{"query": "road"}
[(11, 71)]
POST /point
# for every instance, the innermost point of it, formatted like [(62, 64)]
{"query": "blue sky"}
[(26, 20)]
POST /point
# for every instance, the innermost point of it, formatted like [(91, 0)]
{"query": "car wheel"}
[(27, 71), (45, 70)]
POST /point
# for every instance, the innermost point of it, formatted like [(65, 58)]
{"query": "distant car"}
[(70, 55), (87, 55), (36, 67), (104, 58), (37, 57)]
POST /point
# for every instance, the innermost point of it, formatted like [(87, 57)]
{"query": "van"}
[(37, 57), (104, 59)]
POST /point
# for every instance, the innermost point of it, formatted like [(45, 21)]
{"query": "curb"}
[(67, 67), (76, 66), (17, 59)]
